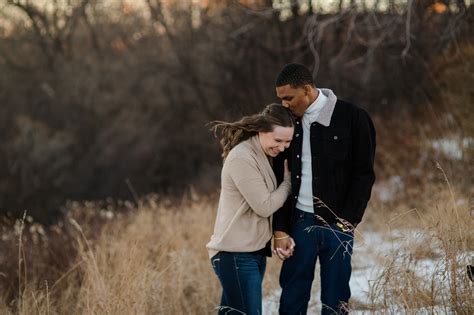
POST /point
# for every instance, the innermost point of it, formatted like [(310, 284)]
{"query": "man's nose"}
[(282, 147), (285, 104)]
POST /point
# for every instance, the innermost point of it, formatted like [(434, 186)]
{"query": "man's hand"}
[(283, 245)]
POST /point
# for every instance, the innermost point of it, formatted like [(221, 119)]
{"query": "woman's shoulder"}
[(243, 150)]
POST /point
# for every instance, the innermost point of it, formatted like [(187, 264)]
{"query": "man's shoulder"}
[(343, 110)]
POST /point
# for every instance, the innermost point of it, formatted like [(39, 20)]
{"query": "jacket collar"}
[(325, 115)]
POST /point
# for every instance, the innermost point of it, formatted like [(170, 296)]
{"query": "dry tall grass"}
[(153, 261), (426, 269)]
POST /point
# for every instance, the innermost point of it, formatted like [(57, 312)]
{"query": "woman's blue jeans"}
[(241, 276)]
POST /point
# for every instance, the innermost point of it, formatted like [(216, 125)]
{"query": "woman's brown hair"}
[(232, 133)]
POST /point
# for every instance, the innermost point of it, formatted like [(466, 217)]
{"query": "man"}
[(331, 159)]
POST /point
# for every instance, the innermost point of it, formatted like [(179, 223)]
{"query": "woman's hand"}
[(287, 173), (283, 245)]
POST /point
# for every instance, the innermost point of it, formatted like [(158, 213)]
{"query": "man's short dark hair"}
[(294, 74)]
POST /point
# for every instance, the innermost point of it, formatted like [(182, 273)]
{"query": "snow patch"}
[(388, 189), (372, 251), (452, 148)]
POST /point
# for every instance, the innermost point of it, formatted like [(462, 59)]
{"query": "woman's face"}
[(276, 141)]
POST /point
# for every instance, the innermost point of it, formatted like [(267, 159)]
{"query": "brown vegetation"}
[(152, 259), (112, 101)]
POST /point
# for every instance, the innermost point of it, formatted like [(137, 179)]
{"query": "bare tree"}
[(185, 59), (54, 30)]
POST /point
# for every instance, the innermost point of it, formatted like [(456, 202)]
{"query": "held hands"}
[(283, 245)]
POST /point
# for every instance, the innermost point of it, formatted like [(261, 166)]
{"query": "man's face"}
[(296, 99)]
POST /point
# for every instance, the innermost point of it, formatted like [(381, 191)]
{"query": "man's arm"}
[(363, 175)]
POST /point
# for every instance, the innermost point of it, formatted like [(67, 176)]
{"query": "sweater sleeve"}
[(251, 184)]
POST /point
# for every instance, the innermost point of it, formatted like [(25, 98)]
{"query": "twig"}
[(407, 30)]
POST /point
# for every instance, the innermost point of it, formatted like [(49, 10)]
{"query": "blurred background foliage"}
[(111, 98)]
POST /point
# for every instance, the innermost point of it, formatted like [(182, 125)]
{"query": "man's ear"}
[(307, 89)]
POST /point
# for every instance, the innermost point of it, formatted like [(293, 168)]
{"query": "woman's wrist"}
[(280, 234)]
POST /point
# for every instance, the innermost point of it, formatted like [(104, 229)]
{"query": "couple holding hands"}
[(300, 173)]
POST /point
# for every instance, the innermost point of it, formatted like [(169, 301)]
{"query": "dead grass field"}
[(152, 260)]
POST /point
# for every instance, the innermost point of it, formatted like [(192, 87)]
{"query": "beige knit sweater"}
[(249, 196)]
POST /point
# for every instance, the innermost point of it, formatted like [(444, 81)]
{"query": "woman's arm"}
[(250, 183)]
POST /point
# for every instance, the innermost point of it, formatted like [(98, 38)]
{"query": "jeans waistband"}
[(303, 214), (300, 214)]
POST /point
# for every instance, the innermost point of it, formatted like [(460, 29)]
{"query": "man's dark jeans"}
[(241, 276), (334, 249)]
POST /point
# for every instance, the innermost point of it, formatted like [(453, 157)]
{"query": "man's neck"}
[(315, 97)]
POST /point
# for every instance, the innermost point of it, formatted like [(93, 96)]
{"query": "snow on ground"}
[(388, 190), (373, 249), (451, 147)]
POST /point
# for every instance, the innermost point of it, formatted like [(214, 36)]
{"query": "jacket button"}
[(335, 137), (297, 176), (298, 156), (296, 197), (297, 135)]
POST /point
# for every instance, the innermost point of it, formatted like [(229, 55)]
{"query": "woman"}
[(249, 196)]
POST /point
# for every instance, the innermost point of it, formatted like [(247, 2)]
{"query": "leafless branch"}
[(407, 29)]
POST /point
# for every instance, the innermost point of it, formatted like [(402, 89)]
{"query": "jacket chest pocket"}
[(337, 143)]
